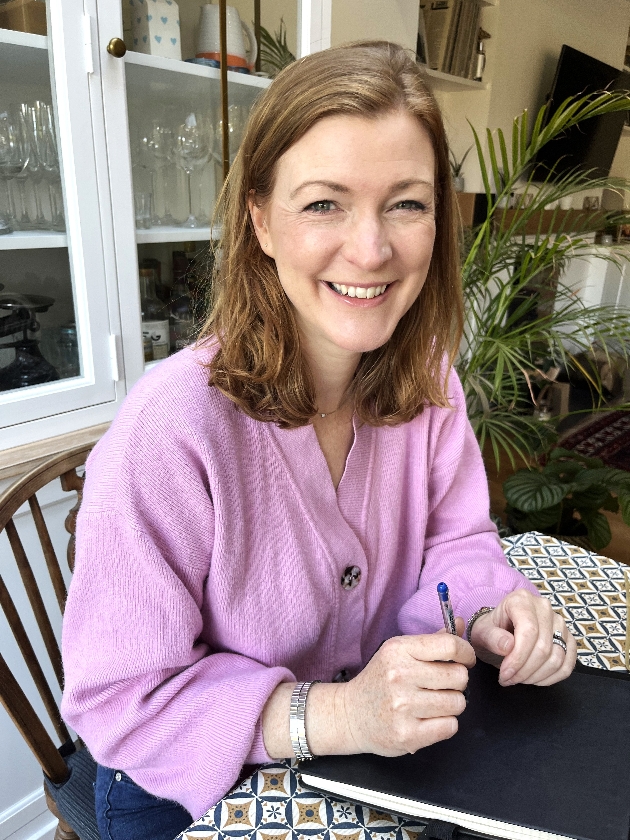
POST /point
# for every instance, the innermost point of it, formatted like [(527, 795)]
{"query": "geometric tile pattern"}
[(587, 589), (271, 804)]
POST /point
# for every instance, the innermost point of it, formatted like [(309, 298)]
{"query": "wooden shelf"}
[(26, 239), (556, 221)]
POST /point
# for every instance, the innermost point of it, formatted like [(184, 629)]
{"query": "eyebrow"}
[(340, 188)]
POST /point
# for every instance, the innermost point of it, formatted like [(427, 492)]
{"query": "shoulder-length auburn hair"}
[(258, 363)]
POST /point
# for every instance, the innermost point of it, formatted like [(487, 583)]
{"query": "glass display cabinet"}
[(56, 310), (111, 158)]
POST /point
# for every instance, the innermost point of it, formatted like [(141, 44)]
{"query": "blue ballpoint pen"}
[(447, 609)]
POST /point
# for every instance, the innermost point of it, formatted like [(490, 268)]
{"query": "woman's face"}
[(351, 224)]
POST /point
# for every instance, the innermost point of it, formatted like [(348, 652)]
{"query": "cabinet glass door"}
[(54, 319), (174, 130)]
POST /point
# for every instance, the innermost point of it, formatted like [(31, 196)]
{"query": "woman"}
[(276, 505)]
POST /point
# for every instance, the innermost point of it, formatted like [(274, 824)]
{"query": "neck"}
[(332, 377)]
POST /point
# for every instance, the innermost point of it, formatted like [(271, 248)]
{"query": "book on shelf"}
[(527, 762), (449, 31), (438, 17)]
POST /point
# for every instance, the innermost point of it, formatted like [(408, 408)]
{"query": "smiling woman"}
[(278, 503), (353, 181)]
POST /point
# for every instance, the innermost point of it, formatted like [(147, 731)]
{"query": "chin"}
[(362, 344)]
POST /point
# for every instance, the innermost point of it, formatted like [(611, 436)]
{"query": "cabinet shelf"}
[(24, 56), (176, 234), (162, 78), (26, 239)]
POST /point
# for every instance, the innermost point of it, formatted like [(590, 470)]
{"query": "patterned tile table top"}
[(587, 589), (272, 805)]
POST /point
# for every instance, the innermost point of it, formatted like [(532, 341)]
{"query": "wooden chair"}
[(69, 769)]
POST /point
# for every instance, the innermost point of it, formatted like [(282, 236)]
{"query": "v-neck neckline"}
[(305, 462)]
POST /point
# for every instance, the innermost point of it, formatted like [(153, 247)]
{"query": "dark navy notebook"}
[(527, 762)]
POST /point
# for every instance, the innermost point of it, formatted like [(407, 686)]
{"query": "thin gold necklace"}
[(328, 413)]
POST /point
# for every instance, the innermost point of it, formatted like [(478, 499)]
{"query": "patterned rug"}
[(607, 438)]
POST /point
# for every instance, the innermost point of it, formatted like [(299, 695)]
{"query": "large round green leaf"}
[(598, 528), (529, 490)]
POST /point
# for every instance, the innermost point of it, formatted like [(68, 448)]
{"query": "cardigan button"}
[(342, 676), (350, 577)]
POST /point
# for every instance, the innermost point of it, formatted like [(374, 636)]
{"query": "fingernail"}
[(508, 674), (504, 644), (505, 683)]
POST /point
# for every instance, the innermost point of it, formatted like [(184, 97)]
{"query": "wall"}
[(395, 20), (522, 55)]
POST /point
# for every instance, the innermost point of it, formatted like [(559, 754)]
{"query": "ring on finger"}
[(558, 640)]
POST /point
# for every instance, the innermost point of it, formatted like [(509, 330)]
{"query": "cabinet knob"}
[(116, 47)]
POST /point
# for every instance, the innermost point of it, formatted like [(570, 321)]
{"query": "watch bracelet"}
[(297, 727), (481, 611)]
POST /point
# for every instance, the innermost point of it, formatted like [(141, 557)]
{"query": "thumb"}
[(494, 639)]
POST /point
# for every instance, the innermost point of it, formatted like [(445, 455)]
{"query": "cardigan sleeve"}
[(142, 687), (461, 545)]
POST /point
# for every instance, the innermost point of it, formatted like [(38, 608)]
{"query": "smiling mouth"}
[(359, 291)]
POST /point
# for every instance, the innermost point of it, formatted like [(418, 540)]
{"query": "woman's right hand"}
[(409, 694)]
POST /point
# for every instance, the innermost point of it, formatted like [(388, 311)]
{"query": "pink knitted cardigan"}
[(210, 552)]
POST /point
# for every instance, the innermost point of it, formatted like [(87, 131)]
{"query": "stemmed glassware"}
[(192, 150), (161, 147), (34, 168), (14, 155), (28, 152), (44, 146)]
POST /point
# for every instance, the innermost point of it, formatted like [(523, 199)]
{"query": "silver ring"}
[(558, 640)]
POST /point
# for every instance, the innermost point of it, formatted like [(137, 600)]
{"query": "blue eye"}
[(320, 207), (409, 204)]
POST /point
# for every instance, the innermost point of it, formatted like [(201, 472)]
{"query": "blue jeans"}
[(124, 811)]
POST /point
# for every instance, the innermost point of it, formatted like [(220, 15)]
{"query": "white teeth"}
[(359, 291)]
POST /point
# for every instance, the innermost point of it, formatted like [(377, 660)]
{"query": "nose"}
[(367, 244)]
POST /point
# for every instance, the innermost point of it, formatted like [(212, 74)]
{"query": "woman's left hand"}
[(518, 637)]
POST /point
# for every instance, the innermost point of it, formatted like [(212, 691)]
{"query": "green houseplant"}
[(566, 497), (518, 311), (275, 55)]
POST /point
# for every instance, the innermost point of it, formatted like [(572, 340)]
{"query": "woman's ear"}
[(258, 215)]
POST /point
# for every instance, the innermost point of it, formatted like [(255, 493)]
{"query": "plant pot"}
[(458, 183)]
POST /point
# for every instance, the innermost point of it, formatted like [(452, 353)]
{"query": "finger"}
[(432, 704), (533, 636), (442, 647), (489, 637), (568, 664), (556, 662), (429, 731), (438, 676)]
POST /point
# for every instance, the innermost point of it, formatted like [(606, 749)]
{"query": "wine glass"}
[(14, 153), (45, 140), (192, 150), (34, 168), (237, 120), (161, 147)]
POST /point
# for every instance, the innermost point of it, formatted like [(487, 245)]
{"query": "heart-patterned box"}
[(155, 28)]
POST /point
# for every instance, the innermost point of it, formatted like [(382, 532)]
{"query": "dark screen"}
[(591, 145)]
